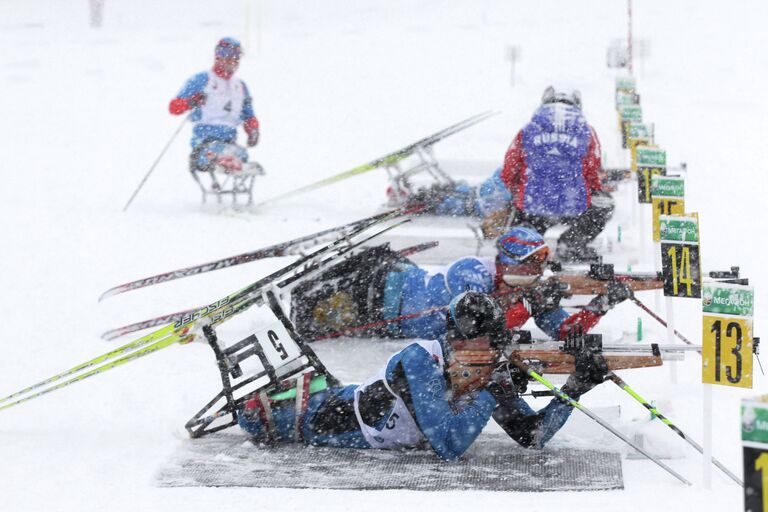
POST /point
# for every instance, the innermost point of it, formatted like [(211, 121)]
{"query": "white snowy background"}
[(83, 114)]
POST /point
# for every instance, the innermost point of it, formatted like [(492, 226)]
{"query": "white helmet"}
[(553, 94)]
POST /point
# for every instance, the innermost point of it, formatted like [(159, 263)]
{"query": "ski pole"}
[(659, 319), (573, 403), (157, 160), (656, 414)]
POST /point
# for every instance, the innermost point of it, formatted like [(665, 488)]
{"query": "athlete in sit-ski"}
[(522, 256), (436, 394), (219, 103), (396, 298), (410, 403)]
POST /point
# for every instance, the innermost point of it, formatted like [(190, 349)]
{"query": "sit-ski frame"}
[(223, 181), (235, 394), (234, 183), (399, 178)]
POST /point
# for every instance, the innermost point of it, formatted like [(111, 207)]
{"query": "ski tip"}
[(108, 336), (107, 294)]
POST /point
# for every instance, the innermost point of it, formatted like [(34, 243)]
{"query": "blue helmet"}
[(518, 244), (228, 48), (468, 274)]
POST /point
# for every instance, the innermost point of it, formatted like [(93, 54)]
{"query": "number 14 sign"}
[(727, 345), (680, 262)]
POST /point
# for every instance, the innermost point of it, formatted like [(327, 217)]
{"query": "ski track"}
[(335, 84)]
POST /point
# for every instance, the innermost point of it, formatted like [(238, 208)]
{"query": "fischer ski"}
[(185, 329), (390, 159), (291, 247), (173, 317)]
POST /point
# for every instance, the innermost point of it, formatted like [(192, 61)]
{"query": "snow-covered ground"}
[(335, 84)]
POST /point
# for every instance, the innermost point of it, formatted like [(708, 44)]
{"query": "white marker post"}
[(629, 35), (667, 198), (706, 418), (679, 253), (726, 350), (512, 55), (670, 335)]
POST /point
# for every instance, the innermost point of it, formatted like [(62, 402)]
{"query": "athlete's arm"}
[(418, 380), (190, 96)]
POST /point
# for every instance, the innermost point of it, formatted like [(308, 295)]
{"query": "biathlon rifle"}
[(592, 282), (559, 357)]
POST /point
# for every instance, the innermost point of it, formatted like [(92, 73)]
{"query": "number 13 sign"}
[(727, 331)]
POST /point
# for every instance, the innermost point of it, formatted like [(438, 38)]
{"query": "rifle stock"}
[(559, 363), (582, 284)]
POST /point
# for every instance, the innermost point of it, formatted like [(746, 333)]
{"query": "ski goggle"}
[(536, 257)]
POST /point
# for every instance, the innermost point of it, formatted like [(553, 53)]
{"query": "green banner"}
[(664, 186), (626, 99), (678, 229), (651, 157), (754, 420), (633, 113), (728, 299), (640, 131), (626, 83)]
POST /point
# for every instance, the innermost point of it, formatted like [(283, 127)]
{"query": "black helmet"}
[(473, 314), (566, 95)]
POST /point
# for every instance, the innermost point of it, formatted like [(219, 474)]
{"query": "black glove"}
[(545, 297), (253, 137), (590, 371), (197, 100), (507, 383), (616, 292)]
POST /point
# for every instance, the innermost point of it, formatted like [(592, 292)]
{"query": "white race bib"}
[(224, 101)]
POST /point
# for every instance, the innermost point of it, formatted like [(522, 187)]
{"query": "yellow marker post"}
[(754, 440)]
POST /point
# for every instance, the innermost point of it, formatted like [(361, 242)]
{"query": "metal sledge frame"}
[(399, 179), (222, 181), (234, 183), (228, 361)]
